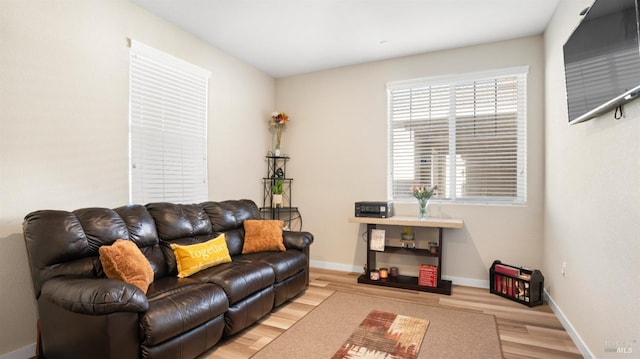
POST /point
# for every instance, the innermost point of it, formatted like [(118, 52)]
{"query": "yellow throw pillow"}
[(123, 260), (196, 257), (262, 235)]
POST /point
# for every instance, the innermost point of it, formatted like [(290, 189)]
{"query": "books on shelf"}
[(512, 287), (377, 240)]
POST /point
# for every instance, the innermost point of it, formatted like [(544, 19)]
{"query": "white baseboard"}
[(577, 340), (467, 282), (23, 353), (336, 266)]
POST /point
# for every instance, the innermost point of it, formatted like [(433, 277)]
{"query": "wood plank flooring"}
[(524, 332)]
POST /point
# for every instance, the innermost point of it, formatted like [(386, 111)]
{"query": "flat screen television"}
[(602, 59)]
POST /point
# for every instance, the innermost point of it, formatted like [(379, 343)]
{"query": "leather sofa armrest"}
[(94, 296), (297, 240)]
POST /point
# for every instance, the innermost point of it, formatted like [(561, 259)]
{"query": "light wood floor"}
[(524, 332)]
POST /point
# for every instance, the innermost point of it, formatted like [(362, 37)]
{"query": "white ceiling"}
[(289, 37)]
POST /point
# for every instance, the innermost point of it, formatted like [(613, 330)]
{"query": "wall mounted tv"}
[(602, 60)]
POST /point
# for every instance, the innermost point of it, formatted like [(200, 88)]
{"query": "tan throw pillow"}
[(262, 236), (196, 257), (123, 260)]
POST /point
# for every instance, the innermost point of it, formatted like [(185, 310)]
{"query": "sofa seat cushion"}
[(238, 279), (178, 305), (284, 264)]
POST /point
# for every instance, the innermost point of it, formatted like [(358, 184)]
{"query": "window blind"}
[(168, 128), (466, 134)]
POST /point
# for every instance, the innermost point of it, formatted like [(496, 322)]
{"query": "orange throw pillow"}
[(123, 260), (262, 236)]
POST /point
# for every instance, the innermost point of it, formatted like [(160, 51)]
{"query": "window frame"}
[(452, 183)]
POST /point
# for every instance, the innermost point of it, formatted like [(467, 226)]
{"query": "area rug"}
[(384, 335), (322, 332)]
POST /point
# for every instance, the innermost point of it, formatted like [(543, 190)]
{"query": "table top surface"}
[(411, 221)]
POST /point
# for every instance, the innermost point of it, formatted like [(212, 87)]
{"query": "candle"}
[(394, 272), (384, 273), (433, 247), (374, 274)]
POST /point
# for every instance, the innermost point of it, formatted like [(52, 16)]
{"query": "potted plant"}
[(276, 193), (408, 238)]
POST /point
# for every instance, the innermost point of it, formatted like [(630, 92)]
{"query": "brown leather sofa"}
[(83, 314)]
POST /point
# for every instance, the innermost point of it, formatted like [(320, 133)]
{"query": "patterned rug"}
[(322, 331), (383, 335)]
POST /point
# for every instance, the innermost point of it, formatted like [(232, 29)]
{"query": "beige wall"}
[(337, 140), (64, 123), (592, 211), (63, 144)]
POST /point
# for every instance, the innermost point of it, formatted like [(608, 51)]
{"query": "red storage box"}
[(428, 275)]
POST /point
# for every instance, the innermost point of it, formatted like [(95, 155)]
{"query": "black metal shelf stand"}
[(272, 207)]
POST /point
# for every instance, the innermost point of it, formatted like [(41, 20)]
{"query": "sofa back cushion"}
[(179, 221), (67, 243), (228, 217)]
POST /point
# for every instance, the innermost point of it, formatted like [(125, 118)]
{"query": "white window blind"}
[(168, 128), (466, 134)]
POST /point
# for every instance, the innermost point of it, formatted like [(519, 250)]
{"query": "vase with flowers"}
[(423, 194), (278, 121)]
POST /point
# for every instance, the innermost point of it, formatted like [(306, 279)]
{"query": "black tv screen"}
[(602, 59)]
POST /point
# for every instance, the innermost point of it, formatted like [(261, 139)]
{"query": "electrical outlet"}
[(563, 270)]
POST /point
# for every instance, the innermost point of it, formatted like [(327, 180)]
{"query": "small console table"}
[(402, 281)]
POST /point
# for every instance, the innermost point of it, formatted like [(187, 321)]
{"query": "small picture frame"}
[(377, 240)]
